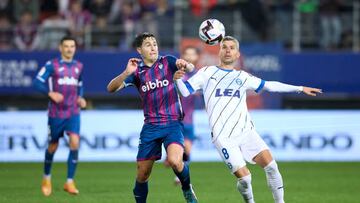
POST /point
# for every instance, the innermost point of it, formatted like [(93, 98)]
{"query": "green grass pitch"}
[(307, 182)]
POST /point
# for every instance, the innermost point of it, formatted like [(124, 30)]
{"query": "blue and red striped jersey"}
[(65, 78), (160, 100)]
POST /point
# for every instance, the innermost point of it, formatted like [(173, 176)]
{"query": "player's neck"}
[(227, 66), (66, 59), (148, 63)]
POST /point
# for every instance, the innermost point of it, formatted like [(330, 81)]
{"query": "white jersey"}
[(225, 98)]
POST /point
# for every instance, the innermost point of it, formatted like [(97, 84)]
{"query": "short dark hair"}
[(231, 38), (197, 50), (139, 39), (65, 38)]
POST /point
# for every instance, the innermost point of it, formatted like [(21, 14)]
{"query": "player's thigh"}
[(150, 143), (230, 153), (56, 128), (175, 153), (252, 145), (174, 134)]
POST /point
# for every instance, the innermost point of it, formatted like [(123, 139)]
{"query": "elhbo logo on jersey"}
[(67, 81), (156, 84)]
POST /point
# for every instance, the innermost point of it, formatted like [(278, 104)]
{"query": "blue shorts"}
[(57, 127), (153, 136), (189, 132)]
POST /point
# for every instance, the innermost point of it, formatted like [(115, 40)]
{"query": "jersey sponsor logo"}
[(150, 85), (227, 93), (67, 81)]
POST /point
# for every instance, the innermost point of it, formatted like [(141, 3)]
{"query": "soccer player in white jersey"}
[(232, 130)]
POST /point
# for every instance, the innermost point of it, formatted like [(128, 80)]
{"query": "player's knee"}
[(74, 146), (242, 172), (175, 163), (52, 147), (143, 176), (74, 142)]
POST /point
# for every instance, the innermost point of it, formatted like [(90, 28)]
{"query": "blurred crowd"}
[(29, 25)]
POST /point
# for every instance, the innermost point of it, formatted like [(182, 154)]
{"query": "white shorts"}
[(240, 148)]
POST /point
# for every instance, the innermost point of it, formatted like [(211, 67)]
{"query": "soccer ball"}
[(211, 31)]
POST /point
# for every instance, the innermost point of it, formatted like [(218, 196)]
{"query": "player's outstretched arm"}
[(118, 82), (274, 86)]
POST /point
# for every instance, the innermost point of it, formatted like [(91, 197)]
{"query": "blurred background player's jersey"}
[(160, 99), (188, 103), (65, 78)]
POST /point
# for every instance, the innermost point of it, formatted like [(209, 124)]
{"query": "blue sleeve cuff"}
[(261, 86), (188, 86), (40, 86)]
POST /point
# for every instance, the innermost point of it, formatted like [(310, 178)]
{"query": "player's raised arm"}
[(118, 82), (274, 86), (190, 86), (181, 64)]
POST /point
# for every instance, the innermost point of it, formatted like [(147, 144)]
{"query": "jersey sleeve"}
[(130, 81), (172, 63), (40, 81), (196, 81), (254, 83), (80, 86)]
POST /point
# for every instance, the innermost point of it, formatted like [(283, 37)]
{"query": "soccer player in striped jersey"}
[(232, 131), (61, 80), (153, 77)]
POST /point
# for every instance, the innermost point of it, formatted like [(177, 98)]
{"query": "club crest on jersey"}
[(227, 93), (161, 66), (238, 81), (150, 85), (76, 70), (61, 69)]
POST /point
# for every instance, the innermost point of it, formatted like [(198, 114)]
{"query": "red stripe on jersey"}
[(159, 95)]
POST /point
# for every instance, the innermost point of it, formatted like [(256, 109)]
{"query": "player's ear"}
[(138, 49)]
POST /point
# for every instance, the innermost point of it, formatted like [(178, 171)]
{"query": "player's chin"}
[(70, 54)]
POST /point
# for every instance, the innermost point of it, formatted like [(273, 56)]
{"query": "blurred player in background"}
[(192, 55), (232, 130), (153, 77), (61, 80)]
